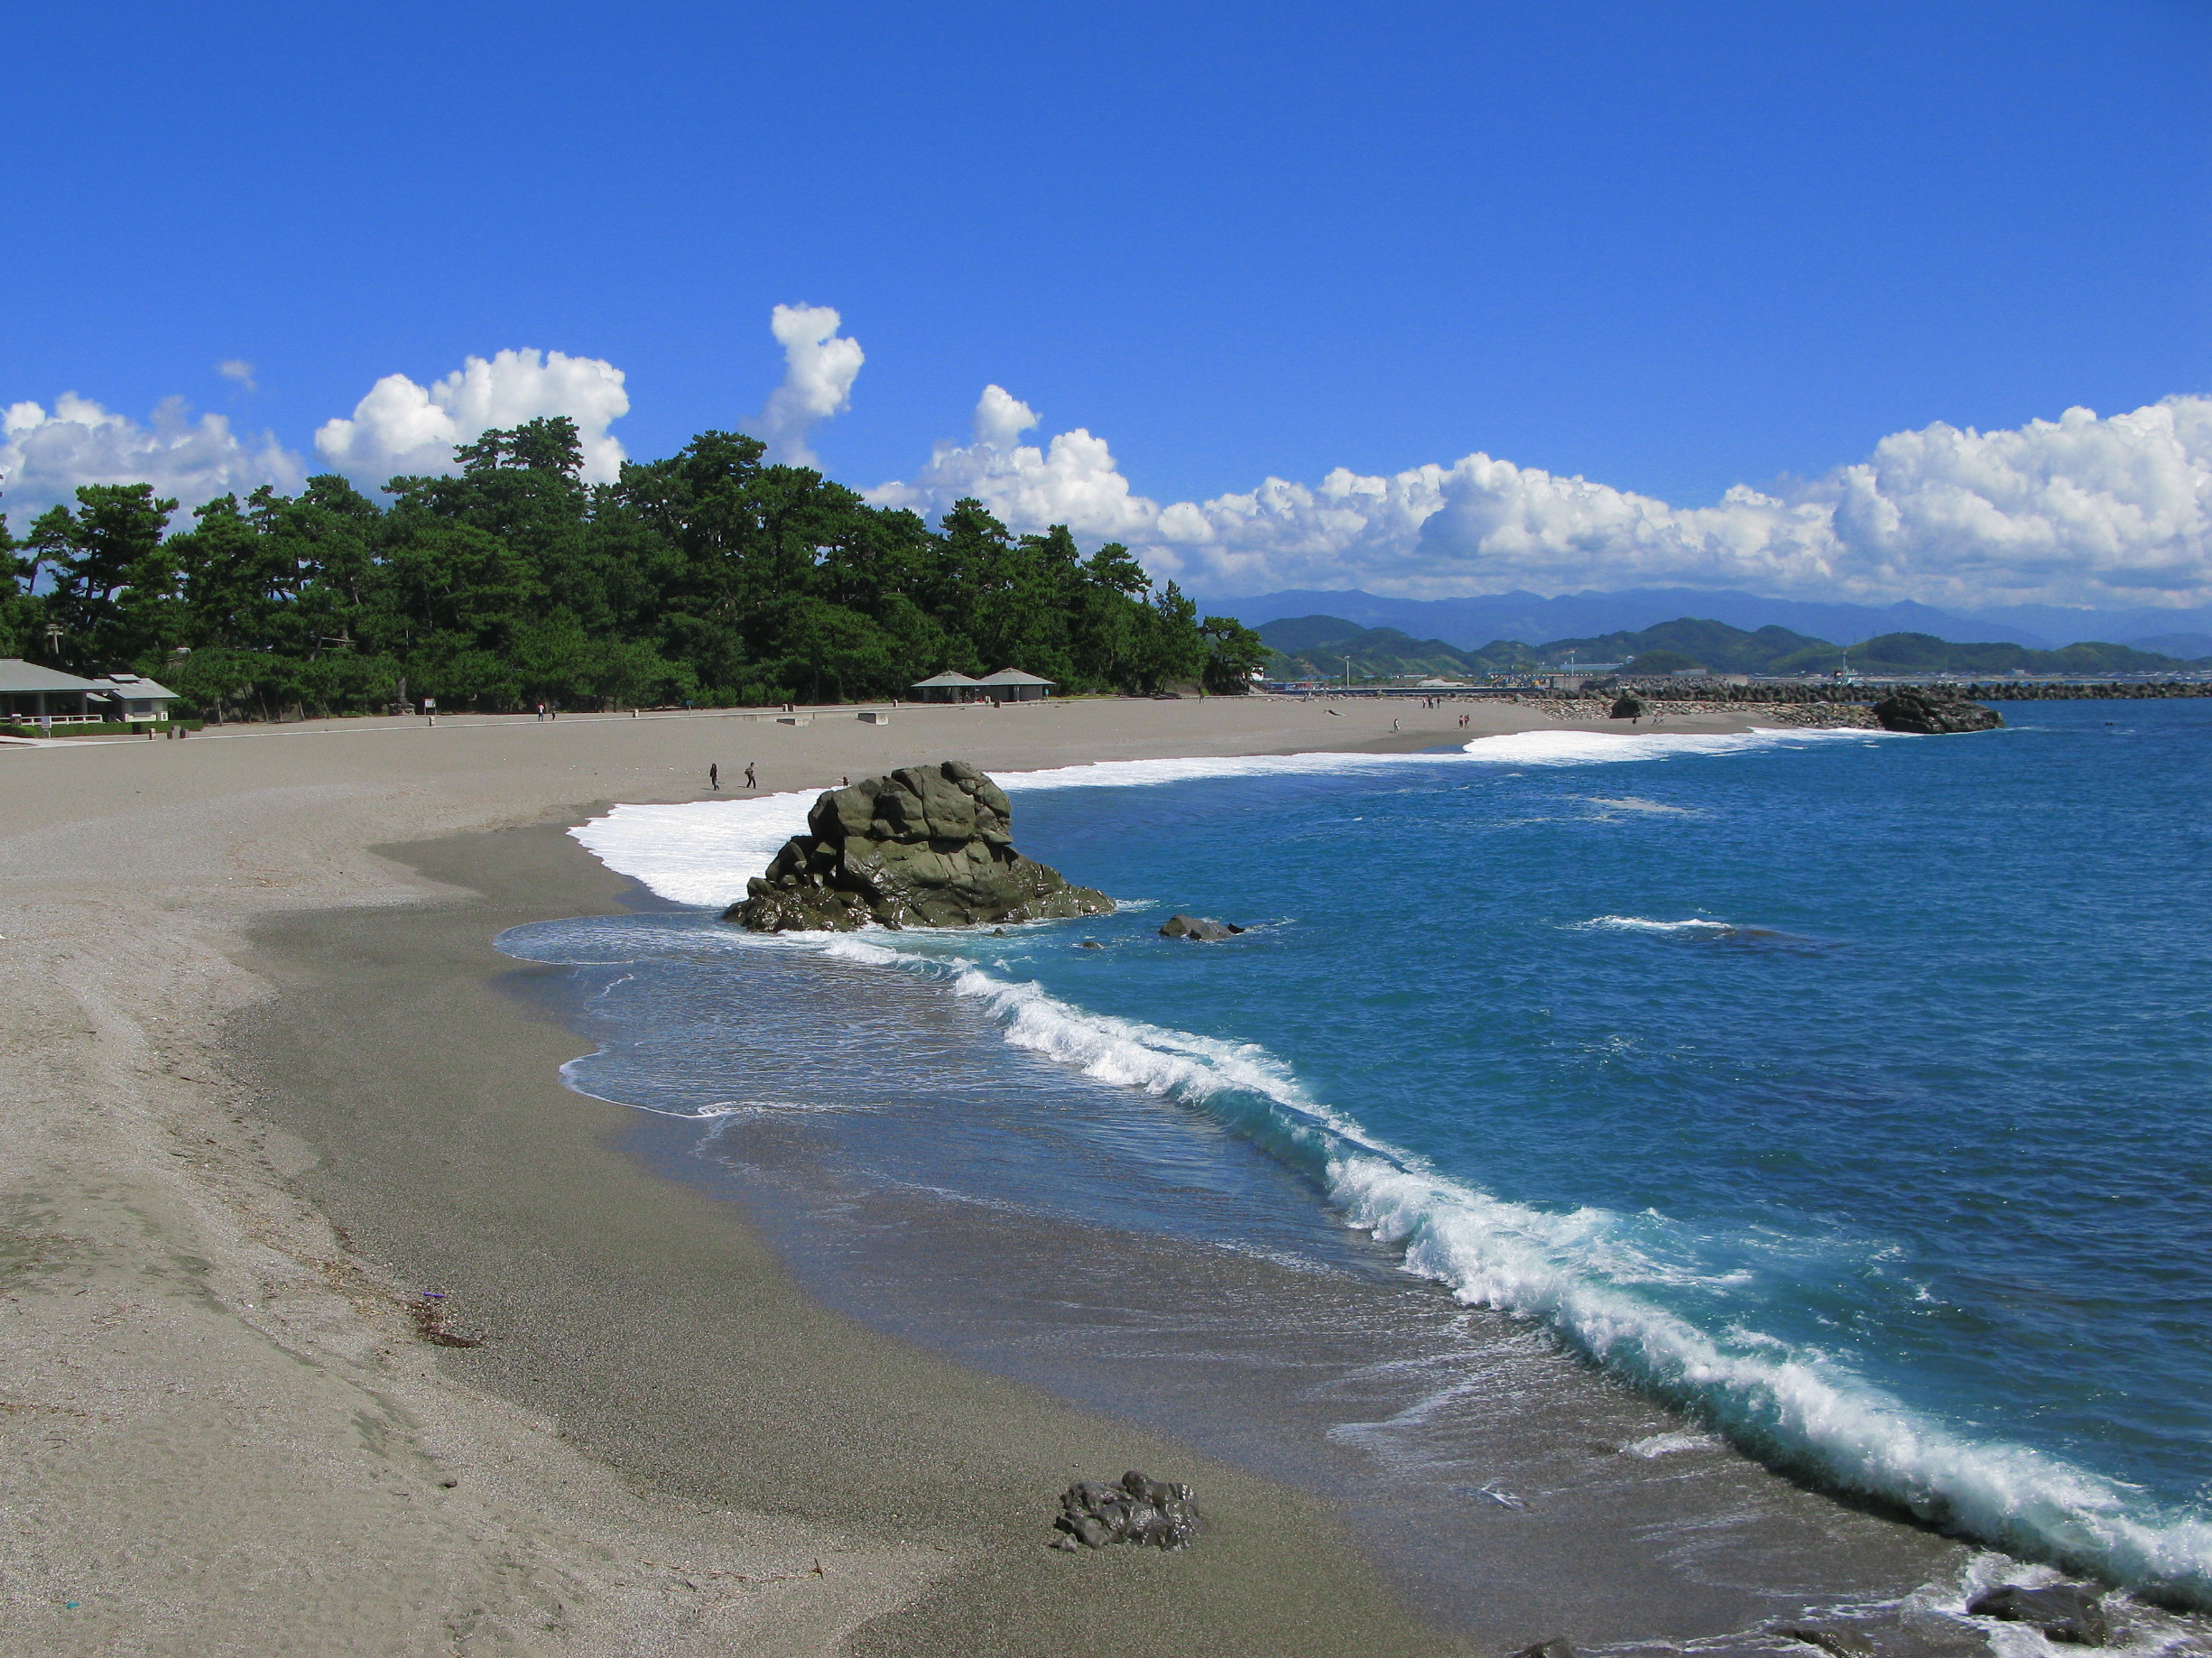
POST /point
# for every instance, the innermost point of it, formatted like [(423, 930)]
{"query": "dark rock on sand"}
[(1558, 1647), (2064, 1611), (929, 845), (1933, 713), (1626, 708), (1149, 1513), (1198, 930)]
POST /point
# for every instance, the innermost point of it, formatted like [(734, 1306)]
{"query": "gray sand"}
[(665, 1339)]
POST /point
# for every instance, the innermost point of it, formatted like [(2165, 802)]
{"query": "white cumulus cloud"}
[(45, 454), (820, 366), (236, 369), (402, 428), (2077, 511), (1074, 481)]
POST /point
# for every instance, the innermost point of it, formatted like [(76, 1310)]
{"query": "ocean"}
[(1838, 1097)]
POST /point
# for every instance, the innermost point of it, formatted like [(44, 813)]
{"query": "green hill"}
[(1926, 654), (1688, 643), (1316, 647)]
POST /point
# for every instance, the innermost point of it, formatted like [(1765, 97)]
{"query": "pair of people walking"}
[(714, 776)]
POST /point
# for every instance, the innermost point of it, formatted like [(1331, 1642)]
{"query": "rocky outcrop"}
[(1149, 1513), (2070, 1612), (1933, 713), (1198, 930), (1626, 707), (929, 845)]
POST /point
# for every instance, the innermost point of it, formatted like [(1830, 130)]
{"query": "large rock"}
[(929, 845), (1933, 713), (2071, 1612)]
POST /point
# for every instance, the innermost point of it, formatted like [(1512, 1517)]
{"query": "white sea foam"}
[(713, 1110), (702, 852), (696, 852), (1638, 923), (1667, 1444)]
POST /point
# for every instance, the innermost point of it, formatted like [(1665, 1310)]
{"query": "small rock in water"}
[(1558, 1647), (1838, 1643), (1091, 944), (1501, 1497), (1148, 1513), (1198, 930), (2064, 1611)]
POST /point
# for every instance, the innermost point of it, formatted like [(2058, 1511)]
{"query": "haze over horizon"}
[(1910, 307)]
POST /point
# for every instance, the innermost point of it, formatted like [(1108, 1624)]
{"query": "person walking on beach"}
[(713, 775), (750, 784)]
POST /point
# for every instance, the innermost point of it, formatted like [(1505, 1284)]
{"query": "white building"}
[(32, 695)]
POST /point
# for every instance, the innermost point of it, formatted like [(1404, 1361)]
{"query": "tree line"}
[(707, 578)]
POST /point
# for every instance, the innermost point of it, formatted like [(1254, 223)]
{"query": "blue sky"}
[(1669, 249)]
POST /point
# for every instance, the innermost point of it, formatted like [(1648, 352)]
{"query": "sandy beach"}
[(264, 1089)]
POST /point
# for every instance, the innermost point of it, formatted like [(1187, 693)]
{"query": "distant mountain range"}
[(1470, 623), (1321, 646)]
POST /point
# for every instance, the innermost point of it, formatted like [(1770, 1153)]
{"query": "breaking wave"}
[(700, 852), (1575, 1271)]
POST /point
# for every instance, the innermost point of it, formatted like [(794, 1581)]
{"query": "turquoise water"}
[(1849, 1091)]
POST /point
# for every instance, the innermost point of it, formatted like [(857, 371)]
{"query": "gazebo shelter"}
[(1012, 685), (950, 686)]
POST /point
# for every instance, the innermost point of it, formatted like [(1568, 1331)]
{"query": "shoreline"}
[(669, 1344), (187, 1229), (229, 1436)]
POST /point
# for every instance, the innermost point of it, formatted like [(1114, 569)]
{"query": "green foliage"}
[(20, 614), (114, 581), (1663, 660), (1234, 655), (709, 577)]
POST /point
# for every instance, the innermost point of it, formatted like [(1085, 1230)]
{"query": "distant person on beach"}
[(713, 775), (749, 782), (540, 713)]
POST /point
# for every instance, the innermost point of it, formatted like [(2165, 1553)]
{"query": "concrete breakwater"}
[(1808, 712), (1706, 697)]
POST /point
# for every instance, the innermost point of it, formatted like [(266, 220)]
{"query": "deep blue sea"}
[(1849, 1091)]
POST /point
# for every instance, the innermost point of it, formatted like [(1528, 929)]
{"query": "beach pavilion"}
[(1012, 685), (29, 695), (950, 686)]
